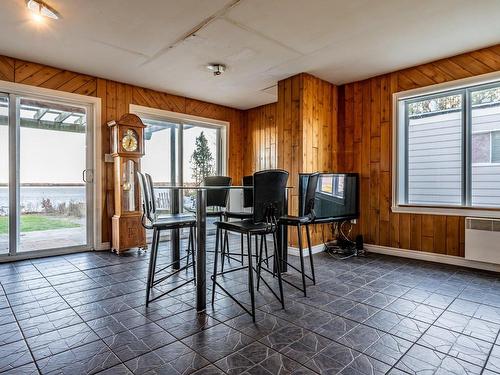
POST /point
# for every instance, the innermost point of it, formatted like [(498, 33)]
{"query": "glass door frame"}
[(175, 143), (92, 173), (14, 175)]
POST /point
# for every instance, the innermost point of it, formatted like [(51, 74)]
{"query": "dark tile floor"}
[(84, 313)]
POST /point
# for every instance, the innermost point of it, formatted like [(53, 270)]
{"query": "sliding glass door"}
[(46, 198), (4, 174)]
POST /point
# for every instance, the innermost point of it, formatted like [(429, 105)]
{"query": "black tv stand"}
[(336, 200)]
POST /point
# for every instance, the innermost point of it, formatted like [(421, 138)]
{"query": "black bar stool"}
[(160, 215), (304, 221), (217, 199), (152, 198), (269, 200), (158, 223), (240, 215)]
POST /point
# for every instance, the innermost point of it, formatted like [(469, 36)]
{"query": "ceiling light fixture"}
[(40, 9), (216, 69)]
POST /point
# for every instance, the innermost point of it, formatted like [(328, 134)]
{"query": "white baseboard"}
[(412, 254), (315, 249), (432, 257)]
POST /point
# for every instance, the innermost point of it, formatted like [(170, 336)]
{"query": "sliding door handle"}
[(85, 175)]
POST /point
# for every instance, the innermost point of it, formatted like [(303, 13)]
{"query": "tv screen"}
[(336, 196)]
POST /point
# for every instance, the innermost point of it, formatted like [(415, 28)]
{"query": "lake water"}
[(31, 196)]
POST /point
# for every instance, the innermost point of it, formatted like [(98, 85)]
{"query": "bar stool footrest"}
[(171, 290), (156, 282), (234, 299)]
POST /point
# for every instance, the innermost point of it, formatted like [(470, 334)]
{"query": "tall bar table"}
[(201, 236)]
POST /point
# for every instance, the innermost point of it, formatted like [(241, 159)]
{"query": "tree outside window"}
[(202, 160)]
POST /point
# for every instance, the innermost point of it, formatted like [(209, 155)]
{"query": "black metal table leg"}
[(176, 238), (201, 257), (283, 238)]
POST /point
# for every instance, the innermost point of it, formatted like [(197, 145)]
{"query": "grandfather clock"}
[(127, 148)]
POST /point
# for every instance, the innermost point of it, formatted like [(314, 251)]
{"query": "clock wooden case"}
[(127, 148)]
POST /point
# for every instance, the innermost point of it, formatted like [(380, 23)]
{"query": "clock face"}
[(129, 141)]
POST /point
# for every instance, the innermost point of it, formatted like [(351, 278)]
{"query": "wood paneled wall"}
[(319, 125), (289, 130), (365, 117), (306, 126), (359, 140), (307, 133), (298, 133), (115, 100), (260, 139)]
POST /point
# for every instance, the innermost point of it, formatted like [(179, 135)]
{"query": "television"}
[(336, 198)]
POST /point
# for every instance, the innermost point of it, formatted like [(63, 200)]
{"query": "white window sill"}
[(448, 211)]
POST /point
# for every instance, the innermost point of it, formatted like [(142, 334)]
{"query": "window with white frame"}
[(448, 148), (180, 150)]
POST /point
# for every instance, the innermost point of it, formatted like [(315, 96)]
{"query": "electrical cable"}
[(347, 247), (347, 237)]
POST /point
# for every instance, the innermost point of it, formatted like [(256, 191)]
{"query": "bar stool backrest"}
[(269, 189), (247, 193), (146, 201), (312, 184), (151, 191), (217, 198)]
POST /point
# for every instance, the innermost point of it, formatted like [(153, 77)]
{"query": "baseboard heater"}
[(482, 239)]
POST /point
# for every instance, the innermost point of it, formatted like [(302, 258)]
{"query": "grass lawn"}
[(31, 223)]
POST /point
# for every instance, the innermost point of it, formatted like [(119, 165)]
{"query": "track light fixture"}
[(41, 10)]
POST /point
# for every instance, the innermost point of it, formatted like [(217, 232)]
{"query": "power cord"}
[(343, 244)]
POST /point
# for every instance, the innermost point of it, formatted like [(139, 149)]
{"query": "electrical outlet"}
[(354, 221)]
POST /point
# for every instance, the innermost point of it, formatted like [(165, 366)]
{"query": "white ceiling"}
[(150, 43)]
